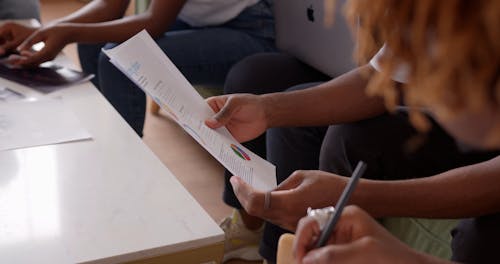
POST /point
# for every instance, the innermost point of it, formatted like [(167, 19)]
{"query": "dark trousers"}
[(388, 143)]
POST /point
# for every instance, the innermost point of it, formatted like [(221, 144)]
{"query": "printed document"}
[(35, 123), (146, 64)]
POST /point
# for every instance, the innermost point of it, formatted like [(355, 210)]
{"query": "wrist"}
[(370, 195), (71, 32), (268, 101)]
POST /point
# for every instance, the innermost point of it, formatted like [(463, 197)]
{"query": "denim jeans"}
[(19, 9), (203, 54)]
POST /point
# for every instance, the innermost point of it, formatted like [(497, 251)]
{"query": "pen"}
[(339, 207)]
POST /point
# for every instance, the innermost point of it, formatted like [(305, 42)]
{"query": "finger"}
[(215, 103), (7, 40), (292, 182), (307, 233), (8, 46), (5, 33), (14, 60), (346, 253), (222, 117), (30, 41), (250, 199), (322, 255), (32, 59)]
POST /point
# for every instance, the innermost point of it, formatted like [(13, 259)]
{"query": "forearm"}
[(459, 193), (113, 31), (155, 20), (97, 11), (340, 100)]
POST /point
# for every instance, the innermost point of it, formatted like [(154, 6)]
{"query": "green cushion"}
[(206, 92), (141, 5), (430, 236)]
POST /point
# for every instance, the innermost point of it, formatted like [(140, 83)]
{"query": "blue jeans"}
[(204, 55), (19, 9)]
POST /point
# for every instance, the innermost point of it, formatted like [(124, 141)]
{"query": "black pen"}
[(339, 207)]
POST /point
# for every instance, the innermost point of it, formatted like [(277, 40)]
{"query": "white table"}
[(108, 200)]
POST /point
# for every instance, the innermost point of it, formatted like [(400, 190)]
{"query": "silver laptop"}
[(301, 32)]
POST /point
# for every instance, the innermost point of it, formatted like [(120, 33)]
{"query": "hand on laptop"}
[(357, 238), (244, 115), (54, 38), (12, 35)]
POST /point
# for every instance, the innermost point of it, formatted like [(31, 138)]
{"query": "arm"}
[(463, 192), (99, 21), (340, 100), (459, 193), (155, 20), (96, 11), (13, 34)]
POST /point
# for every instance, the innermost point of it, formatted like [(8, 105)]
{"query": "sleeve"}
[(401, 72)]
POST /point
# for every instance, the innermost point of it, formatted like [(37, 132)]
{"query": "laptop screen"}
[(302, 32)]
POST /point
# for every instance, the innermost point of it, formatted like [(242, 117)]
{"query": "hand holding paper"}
[(153, 72), (243, 116)]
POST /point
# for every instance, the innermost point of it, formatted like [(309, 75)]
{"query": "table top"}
[(106, 200)]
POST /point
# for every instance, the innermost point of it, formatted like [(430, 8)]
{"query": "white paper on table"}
[(35, 123), (8, 95), (146, 64)]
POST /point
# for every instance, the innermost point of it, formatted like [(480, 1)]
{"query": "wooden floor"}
[(200, 174)]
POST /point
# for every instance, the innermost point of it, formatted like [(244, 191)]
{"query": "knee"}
[(333, 154), (475, 240), (261, 73), (105, 67), (344, 145), (107, 73), (243, 76)]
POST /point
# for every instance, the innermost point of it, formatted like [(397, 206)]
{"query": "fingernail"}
[(234, 182), (309, 259)]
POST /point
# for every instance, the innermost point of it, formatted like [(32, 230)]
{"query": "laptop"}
[(301, 31)]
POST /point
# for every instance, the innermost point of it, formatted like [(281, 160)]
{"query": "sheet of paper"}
[(8, 95), (35, 123), (146, 64)]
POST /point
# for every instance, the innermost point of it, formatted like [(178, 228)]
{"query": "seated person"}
[(202, 40), (15, 9), (438, 179)]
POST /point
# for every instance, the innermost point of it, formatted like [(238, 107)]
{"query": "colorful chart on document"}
[(239, 152)]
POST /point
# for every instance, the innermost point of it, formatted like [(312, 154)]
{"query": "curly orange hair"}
[(452, 48)]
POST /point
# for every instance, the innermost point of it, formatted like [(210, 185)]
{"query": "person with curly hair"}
[(423, 112)]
